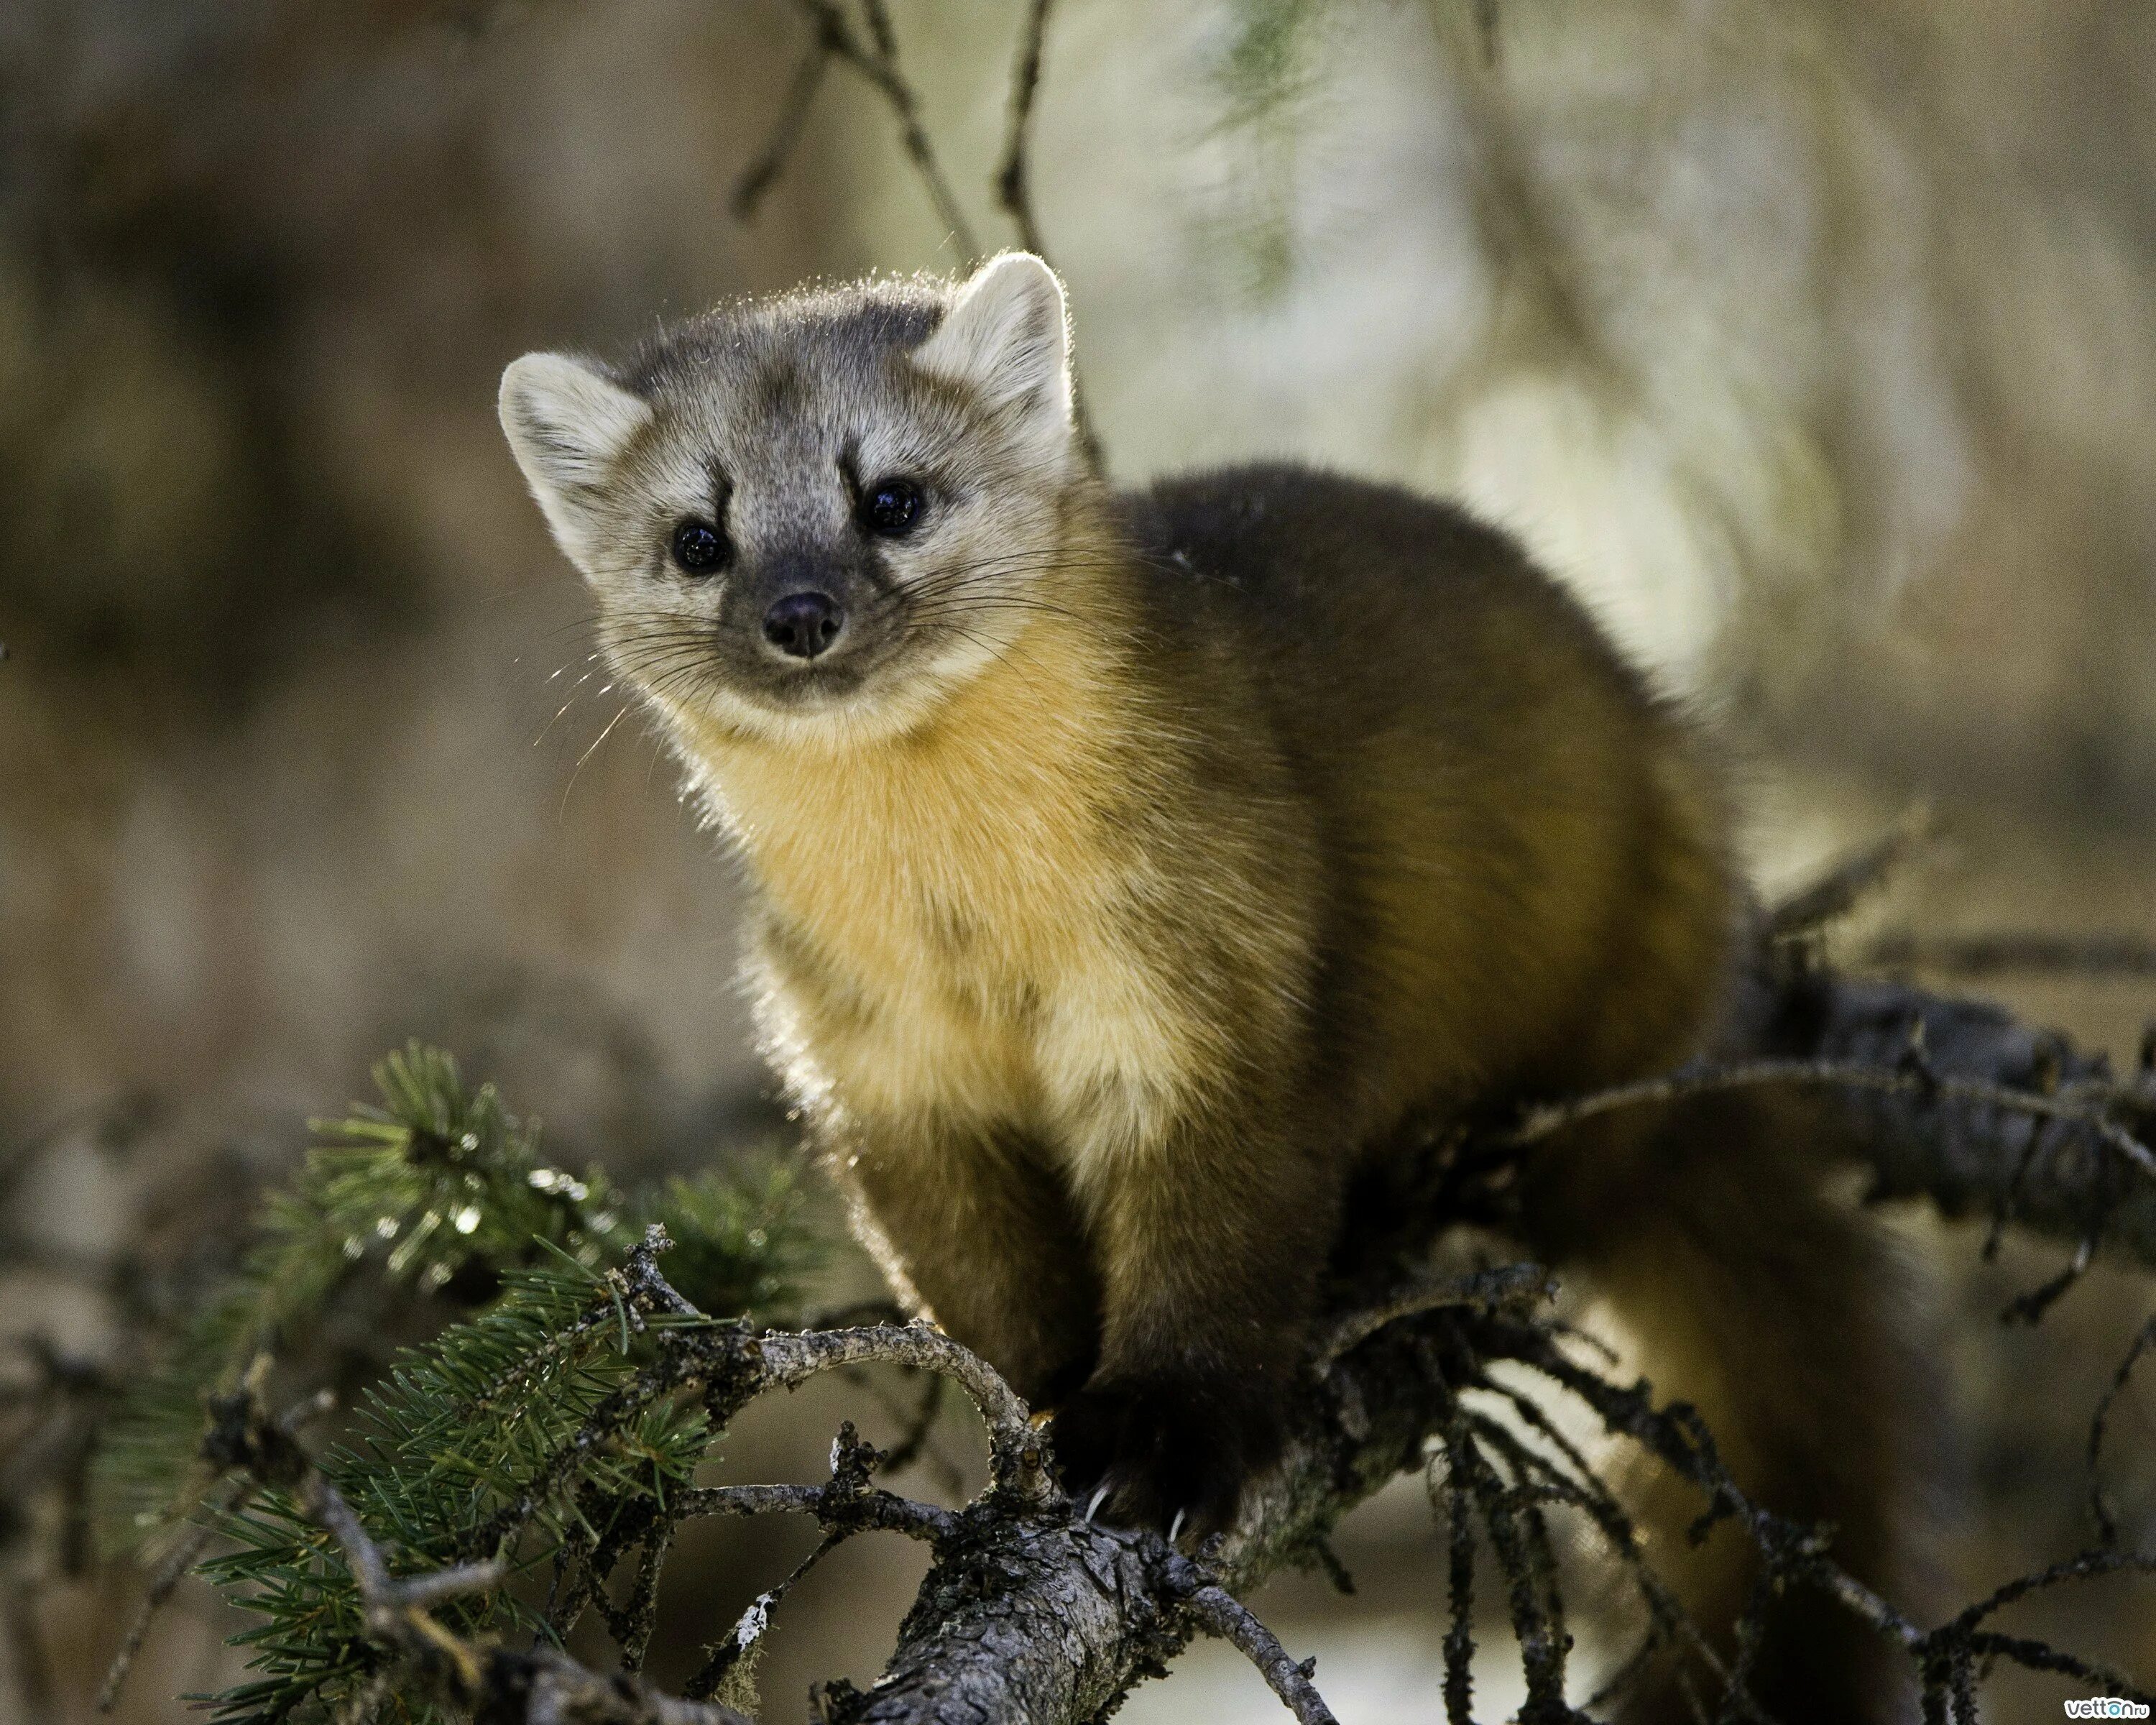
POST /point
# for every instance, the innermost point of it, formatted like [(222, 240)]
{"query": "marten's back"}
[(1525, 846)]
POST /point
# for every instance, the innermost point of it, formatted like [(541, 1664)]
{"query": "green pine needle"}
[(440, 1189)]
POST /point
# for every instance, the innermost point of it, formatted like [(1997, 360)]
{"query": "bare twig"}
[(877, 62), (2012, 954), (26, 1648), (1018, 1456), (883, 1511), (918, 1428), (174, 1568), (762, 173), (1849, 879), (1460, 1633), (1013, 176), (745, 1640), (1486, 31), (1910, 1078), (1220, 1613), (2106, 1524), (1014, 189), (1509, 1286)]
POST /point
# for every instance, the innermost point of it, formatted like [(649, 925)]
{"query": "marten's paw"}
[(1142, 1451)]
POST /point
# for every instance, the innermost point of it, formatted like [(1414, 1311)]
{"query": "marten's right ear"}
[(569, 427)]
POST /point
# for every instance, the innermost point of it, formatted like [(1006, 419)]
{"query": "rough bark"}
[(2045, 1175)]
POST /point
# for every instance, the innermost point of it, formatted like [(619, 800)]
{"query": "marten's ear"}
[(568, 426), (1007, 339)]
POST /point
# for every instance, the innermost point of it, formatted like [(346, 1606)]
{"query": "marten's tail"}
[(1790, 1321)]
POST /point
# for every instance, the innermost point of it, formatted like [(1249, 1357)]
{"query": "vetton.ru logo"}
[(2106, 1707)]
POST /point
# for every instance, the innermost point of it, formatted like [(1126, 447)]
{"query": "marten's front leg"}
[(972, 1223), (1209, 1235)]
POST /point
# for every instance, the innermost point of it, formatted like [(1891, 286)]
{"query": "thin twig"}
[(2107, 1523), (763, 171), (1221, 1614), (1849, 879), (1910, 1079), (1541, 1647), (1014, 190), (32, 1668), (176, 1566), (2015, 954), (1017, 1451), (1508, 1286), (916, 1443), (745, 1638), (879, 66), (880, 1509), (1460, 1633)]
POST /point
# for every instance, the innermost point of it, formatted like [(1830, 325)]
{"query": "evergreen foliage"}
[(453, 1453)]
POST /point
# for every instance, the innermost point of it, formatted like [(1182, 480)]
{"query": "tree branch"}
[(2015, 954), (493, 1682), (2022, 1128), (1032, 1616), (1220, 1613), (762, 173)]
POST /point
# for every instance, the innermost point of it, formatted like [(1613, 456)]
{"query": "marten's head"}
[(814, 515)]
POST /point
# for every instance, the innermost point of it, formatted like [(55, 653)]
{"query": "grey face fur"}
[(776, 423)]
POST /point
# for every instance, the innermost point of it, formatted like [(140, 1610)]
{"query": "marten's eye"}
[(892, 508), (698, 547)]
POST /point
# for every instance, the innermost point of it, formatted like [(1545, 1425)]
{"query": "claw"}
[(1175, 1527), (1099, 1497)]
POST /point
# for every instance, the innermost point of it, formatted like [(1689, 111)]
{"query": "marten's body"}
[(1139, 861), (1217, 873)]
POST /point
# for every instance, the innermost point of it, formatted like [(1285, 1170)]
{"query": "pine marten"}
[(1126, 865)]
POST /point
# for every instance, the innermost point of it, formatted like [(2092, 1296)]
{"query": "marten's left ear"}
[(1007, 339), (568, 425)]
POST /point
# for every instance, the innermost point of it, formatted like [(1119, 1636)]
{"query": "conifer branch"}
[(489, 1682)]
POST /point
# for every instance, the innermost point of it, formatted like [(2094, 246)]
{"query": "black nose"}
[(802, 624)]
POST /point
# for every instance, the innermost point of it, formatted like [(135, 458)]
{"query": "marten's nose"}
[(802, 624)]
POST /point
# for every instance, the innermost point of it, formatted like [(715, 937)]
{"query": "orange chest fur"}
[(919, 861), (949, 918)]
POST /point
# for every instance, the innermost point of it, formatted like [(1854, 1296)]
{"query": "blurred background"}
[(1814, 343)]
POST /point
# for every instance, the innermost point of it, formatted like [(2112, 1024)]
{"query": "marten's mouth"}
[(872, 683), (743, 672), (814, 686)]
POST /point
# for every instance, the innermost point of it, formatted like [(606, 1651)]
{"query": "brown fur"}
[(1228, 826)]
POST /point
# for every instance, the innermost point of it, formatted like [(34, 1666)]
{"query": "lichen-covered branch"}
[(2021, 1126)]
